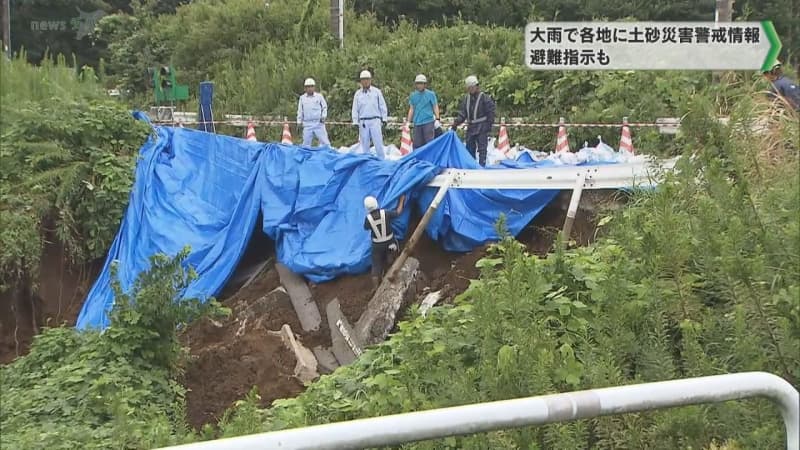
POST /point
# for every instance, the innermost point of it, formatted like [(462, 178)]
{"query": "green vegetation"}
[(115, 389), (700, 276), (66, 165)]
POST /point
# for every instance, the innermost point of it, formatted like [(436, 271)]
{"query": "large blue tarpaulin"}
[(206, 191)]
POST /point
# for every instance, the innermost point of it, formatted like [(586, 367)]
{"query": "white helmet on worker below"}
[(371, 203), (471, 80), (309, 82), (421, 79), (365, 75)]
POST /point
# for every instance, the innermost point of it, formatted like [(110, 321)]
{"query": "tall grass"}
[(53, 79)]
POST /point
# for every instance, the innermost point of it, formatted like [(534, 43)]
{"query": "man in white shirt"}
[(312, 110), (369, 114)]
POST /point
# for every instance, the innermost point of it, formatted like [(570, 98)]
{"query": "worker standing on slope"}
[(379, 223), (782, 86), (423, 112), (312, 110), (477, 109), (369, 114)]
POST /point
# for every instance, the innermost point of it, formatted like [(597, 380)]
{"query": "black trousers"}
[(422, 134), (382, 257), (478, 142)]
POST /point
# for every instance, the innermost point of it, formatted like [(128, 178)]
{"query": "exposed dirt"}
[(225, 371), (57, 301), (231, 357)]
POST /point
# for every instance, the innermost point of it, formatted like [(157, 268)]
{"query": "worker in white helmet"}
[(312, 110), (369, 114), (477, 110), (782, 86), (384, 244), (423, 112)]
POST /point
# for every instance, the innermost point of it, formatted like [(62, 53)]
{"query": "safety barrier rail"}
[(610, 176), (478, 418), (665, 125)]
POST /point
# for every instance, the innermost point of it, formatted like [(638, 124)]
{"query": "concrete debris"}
[(429, 301), (305, 369), (326, 359), (300, 294), (379, 318), (346, 346)]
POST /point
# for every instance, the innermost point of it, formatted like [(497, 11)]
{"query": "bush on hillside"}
[(116, 389), (66, 165)]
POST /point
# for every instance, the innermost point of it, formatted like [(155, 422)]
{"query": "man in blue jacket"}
[(423, 112), (782, 86), (477, 109)]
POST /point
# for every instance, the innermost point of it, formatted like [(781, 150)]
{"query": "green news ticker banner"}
[(651, 45)]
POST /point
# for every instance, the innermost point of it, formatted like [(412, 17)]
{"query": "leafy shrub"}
[(115, 389), (66, 164)]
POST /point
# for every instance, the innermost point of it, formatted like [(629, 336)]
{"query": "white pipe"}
[(483, 417)]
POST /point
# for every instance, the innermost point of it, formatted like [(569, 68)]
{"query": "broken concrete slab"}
[(305, 369), (379, 318), (345, 345), (326, 360), (254, 312), (429, 301), (300, 294)]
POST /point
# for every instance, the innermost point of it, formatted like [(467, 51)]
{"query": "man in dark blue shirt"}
[(783, 86), (477, 109)]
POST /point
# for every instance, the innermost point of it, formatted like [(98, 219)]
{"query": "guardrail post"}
[(574, 201)]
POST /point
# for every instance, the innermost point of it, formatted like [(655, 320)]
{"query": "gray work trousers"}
[(422, 134)]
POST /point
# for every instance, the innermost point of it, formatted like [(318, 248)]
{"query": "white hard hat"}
[(309, 82), (471, 80), (371, 203), (420, 79), (773, 67), (365, 75)]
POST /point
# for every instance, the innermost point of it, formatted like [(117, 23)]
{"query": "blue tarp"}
[(466, 218), (206, 191)]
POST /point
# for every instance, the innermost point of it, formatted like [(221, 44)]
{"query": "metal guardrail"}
[(610, 176), (540, 410)]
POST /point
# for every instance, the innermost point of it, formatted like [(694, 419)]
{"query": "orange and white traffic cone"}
[(405, 140), (286, 137), (502, 139), (625, 140), (562, 143), (251, 132)]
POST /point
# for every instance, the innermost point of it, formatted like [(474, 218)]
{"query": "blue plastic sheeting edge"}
[(206, 191)]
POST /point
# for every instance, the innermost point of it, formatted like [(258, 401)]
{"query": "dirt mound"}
[(230, 357), (226, 371)]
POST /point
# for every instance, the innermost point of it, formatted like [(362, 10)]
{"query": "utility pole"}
[(723, 13), (337, 21), (6, 27)]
